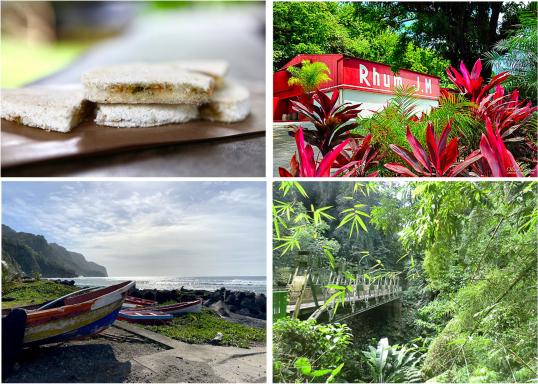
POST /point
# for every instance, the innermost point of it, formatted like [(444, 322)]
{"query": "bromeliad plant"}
[(471, 84), (439, 159), (332, 121), (506, 111), (306, 164)]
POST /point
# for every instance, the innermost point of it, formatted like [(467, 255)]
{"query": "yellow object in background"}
[(24, 62)]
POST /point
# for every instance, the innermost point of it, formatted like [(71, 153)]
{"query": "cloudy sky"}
[(148, 228)]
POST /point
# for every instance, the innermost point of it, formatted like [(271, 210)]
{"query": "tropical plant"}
[(501, 162), (389, 125), (506, 111), (324, 346), (471, 84), (392, 364), (360, 159), (518, 54), (439, 160), (309, 76), (332, 121), (307, 166), (304, 367)]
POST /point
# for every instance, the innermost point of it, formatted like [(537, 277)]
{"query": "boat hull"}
[(196, 308), (180, 308), (84, 331), (144, 317), (76, 319)]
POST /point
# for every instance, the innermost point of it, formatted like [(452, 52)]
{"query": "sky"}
[(182, 228)]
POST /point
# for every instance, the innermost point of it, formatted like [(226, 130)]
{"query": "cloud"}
[(148, 228)]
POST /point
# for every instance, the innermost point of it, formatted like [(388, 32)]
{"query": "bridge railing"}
[(312, 289)]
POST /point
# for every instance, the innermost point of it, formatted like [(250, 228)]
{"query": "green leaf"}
[(303, 364), (335, 372)]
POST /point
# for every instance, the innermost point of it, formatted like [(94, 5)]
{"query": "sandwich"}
[(229, 104), (145, 83), (53, 108)]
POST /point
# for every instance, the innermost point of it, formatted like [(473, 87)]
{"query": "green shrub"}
[(302, 347)]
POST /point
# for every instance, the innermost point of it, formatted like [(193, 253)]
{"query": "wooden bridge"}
[(308, 292)]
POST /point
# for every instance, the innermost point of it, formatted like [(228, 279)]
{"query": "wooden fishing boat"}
[(80, 314), (144, 316), (180, 308), (136, 302)]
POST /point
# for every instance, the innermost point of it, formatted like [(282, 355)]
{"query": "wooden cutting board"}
[(22, 145)]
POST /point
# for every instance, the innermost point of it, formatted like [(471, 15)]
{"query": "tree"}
[(460, 31), (309, 76), (329, 27)]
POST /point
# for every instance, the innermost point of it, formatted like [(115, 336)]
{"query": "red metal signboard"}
[(374, 77)]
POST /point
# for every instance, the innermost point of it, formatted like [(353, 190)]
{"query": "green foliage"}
[(35, 292), (518, 54), (353, 217), (325, 27), (201, 328), (479, 259), (303, 347), (309, 76), (392, 364), (389, 125), (467, 254)]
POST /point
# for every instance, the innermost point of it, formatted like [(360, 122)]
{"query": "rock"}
[(217, 339)]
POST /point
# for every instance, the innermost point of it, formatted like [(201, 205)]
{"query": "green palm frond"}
[(518, 54), (309, 76)]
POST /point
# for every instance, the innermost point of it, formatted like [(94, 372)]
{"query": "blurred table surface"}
[(235, 33)]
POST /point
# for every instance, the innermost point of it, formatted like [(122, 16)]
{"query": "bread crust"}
[(144, 115), (53, 108)]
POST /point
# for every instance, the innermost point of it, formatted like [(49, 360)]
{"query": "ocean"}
[(210, 283)]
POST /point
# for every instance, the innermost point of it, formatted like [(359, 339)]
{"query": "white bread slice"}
[(229, 104), (144, 115), (54, 108), (147, 83), (217, 69)]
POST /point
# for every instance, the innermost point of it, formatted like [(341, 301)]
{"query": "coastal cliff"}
[(27, 253)]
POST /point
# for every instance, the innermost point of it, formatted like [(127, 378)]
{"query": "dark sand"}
[(120, 356)]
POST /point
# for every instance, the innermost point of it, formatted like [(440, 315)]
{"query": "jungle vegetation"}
[(466, 254)]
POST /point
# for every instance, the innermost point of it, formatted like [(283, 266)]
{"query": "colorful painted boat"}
[(144, 316), (180, 308), (136, 302), (79, 314)]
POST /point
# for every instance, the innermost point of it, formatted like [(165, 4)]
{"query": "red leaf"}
[(399, 169), (477, 68), (449, 156), (474, 156), (327, 162), (284, 172), (408, 158), (418, 150), (431, 142)]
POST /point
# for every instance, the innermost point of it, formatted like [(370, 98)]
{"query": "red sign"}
[(374, 77)]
